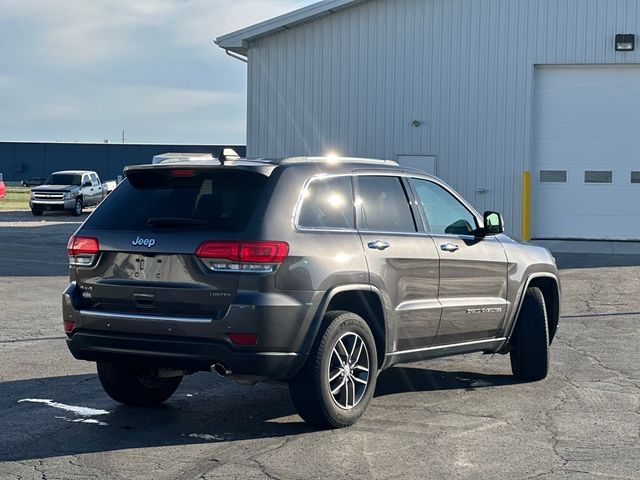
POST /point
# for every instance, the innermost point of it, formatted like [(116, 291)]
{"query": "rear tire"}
[(37, 213), (336, 383), (530, 340), (135, 386), (77, 210)]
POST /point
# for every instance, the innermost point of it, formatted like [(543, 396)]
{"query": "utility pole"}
[(122, 136)]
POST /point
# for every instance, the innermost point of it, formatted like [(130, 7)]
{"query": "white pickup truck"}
[(70, 190)]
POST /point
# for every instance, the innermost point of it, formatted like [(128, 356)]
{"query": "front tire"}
[(336, 384), (530, 340), (77, 210), (135, 386)]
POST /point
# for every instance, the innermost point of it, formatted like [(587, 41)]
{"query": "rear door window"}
[(215, 201), (327, 204), (384, 205)]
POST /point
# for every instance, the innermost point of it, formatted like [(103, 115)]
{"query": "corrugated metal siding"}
[(355, 80), (21, 160)]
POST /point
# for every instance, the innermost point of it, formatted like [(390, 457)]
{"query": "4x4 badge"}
[(144, 242)]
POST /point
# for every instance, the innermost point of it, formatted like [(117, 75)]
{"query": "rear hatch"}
[(148, 230)]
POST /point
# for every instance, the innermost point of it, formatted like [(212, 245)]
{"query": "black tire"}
[(77, 210), (530, 340), (37, 213), (135, 386), (310, 390)]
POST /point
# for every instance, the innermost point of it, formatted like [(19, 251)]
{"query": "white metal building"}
[(476, 91)]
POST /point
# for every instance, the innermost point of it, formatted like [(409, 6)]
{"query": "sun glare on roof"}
[(332, 157)]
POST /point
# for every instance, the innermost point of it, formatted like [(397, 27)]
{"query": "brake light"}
[(82, 251), (259, 256), (68, 326), (182, 173)]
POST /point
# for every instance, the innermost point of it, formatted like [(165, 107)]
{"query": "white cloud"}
[(80, 33), (75, 69)]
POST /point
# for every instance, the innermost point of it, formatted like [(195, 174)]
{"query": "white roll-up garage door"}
[(586, 152)]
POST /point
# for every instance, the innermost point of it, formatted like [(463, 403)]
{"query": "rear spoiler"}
[(198, 166)]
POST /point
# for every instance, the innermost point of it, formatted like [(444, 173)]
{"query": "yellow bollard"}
[(526, 206)]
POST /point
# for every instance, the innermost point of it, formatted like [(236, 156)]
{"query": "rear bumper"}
[(279, 321), (184, 353)]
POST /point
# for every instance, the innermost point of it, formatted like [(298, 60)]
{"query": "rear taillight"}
[(222, 250), (263, 252), (82, 251), (257, 256)]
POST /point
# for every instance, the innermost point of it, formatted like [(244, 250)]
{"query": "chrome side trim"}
[(448, 302), (419, 305), (453, 345), (133, 316), (277, 354)]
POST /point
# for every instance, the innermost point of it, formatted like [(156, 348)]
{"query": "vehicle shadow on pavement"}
[(71, 415), (412, 379)]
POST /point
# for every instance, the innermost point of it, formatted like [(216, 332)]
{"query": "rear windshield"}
[(215, 201), (64, 179)]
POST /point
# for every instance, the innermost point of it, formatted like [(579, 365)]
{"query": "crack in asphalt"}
[(592, 357)]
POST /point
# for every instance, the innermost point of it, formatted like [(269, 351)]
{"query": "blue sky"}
[(84, 70)]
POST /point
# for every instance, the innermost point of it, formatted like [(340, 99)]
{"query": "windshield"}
[(64, 179), (213, 201)]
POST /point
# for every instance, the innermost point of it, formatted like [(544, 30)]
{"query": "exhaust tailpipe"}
[(220, 369)]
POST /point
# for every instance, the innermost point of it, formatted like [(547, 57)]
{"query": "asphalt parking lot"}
[(461, 417)]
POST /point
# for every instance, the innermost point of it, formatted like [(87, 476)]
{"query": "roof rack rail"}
[(336, 159)]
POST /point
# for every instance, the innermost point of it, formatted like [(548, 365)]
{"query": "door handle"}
[(378, 245), (449, 247)]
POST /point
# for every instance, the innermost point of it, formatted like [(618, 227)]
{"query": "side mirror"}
[(493, 223), (86, 184)]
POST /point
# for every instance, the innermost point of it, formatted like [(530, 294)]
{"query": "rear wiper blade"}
[(173, 221)]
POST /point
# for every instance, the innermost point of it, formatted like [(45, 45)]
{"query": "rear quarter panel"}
[(318, 259)]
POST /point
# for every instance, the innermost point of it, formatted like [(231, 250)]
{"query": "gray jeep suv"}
[(313, 271)]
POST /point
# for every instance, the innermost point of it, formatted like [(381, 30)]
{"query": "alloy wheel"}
[(348, 374)]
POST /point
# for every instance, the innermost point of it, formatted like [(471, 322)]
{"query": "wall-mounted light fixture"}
[(625, 42)]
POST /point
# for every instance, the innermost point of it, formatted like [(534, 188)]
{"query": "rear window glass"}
[(215, 201)]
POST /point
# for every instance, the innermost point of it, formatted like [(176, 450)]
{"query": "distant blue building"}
[(20, 160)]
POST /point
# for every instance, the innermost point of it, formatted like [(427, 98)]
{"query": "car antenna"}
[(227, 154)]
